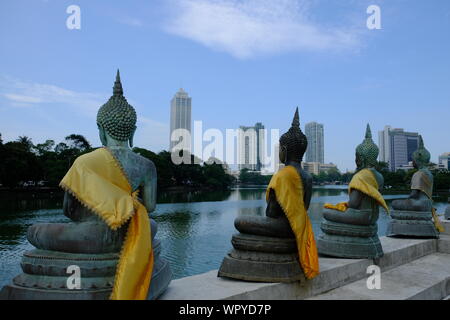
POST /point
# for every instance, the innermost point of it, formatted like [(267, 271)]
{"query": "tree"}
[(42, 148), (77, 141), (26, 142)]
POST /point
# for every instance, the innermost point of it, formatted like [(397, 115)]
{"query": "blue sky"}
[(242, 62)]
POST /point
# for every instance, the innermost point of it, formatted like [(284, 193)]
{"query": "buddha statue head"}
[(421, 157), (366, 152), (116, 119), (293, 143)]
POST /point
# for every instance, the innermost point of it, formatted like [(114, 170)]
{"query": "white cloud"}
[(24, 93), (46, 98), (254, 27)]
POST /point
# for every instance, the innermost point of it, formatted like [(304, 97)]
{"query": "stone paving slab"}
[(427, 278)]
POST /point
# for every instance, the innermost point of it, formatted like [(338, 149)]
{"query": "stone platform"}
[(430, 258), (411, 224), (262, 259), (45, 276)]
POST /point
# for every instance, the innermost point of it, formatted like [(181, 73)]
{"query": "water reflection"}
[(195, 232)]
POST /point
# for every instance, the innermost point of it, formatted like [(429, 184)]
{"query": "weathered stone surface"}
[(335, 228), (349, 246), (411, 215), (249, 242), (45, 276), (411, 224), (261, 267), (54, 263), (427, 278)]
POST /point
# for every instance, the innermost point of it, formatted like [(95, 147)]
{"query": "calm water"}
[(195, 228)]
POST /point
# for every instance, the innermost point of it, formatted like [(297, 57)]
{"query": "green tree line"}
[(23, 163), (400, 179)]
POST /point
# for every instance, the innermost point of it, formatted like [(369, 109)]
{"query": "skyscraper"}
[(315, 149), (397, 146), (444, 160), (251, 147), (180, 114)]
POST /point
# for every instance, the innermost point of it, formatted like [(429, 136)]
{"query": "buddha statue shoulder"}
[(364, 188), (109, 194), (421, 184), (415, 216), (116, 121), (350, 228), (286, 228)]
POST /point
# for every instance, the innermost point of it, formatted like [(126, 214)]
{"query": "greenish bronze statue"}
[(269, 249), (87, 241), (413, 217), (350, 229)]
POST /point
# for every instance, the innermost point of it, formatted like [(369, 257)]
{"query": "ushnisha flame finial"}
[(368, 132), (117, 89), (296, 120)]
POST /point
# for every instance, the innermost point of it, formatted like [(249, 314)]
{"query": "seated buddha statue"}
[(279, 247), (350, 228), (413, 216), (109, 194)]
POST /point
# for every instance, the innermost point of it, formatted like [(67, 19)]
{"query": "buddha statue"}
[(279, 247), (109, 194), (412, 217), (350, 228)]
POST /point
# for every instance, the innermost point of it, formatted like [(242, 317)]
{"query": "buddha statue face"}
[(421, 157), (293, 143), (367, 152), (116, 119)]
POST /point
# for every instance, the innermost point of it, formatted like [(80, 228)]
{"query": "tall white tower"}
[(180, 114), (315, 149)]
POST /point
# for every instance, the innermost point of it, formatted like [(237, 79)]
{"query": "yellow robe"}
[(365, 182), (421, 181), (97, 180), (288, 188)]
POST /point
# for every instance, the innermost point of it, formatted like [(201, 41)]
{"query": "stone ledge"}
[(334, 273), (444, 244), (427, 278)]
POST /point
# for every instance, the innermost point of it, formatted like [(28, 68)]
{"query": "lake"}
[(195, 228)]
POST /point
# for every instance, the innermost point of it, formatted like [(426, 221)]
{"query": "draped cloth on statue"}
[(289, 192), (98, 181), (422, 182), (365, 182)]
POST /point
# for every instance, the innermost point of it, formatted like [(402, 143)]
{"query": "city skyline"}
[(319, 56)]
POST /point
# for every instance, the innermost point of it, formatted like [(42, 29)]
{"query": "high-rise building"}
[(384, 144), (397, 147), (315, 149), (251, 147), (444, 160), (180, 114)]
